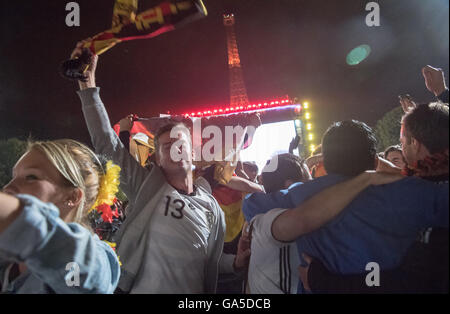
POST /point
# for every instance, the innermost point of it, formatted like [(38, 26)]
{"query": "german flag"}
[(231, 203), (128, 25)]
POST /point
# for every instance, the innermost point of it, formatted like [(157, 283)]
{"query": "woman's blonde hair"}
[(78, 165)]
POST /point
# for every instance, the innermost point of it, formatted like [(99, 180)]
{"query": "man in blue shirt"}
[(379, 225), (424, 138)]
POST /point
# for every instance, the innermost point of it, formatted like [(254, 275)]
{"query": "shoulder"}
[(154, 179), (203, 184), (412, 184), (204, 193), (268, 217)]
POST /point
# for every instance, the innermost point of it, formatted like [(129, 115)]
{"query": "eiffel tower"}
[(238, 92)]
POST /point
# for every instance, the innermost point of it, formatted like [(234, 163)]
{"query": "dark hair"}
[(349, 148), (168, 128), (428, 124), (390, 149), (290, 167)]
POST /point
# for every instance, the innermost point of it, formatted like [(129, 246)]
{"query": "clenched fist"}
[(89, 73)]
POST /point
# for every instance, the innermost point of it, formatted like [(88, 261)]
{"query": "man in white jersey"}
[(273, 264), (172, 239)]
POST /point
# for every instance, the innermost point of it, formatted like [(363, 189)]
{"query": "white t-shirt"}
[(273, 265), (177, 250)]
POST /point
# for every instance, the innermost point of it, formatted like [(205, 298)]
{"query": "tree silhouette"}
[(388, 127)]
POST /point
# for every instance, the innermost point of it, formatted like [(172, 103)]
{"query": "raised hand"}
[(407, 103), (126, 124), (434, 79)]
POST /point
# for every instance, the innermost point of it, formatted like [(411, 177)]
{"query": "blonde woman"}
[(44, 244)]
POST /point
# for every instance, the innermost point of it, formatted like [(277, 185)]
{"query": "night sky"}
[(287, 47)]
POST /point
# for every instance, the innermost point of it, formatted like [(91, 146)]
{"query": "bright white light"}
[(269, 140)]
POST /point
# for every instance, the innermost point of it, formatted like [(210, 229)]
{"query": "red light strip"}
[(253, 107)]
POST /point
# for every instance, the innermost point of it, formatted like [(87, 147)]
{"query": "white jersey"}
[(177, 247), (273, 265)]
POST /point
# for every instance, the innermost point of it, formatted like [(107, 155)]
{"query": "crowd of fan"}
[(348, 219)]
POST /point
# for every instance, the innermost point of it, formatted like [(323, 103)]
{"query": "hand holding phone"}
[(407, 102)]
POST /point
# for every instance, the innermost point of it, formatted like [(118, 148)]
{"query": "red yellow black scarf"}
[(431, 166), (128, 25)]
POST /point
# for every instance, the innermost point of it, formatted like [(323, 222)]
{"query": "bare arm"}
[(386, 166), (243, 185), (324, 206)]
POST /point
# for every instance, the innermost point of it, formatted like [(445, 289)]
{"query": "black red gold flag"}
[(128, 25)]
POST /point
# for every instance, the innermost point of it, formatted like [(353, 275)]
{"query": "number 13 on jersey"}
[(175, 208)]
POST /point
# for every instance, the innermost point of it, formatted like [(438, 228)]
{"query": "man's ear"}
[(416, 145)]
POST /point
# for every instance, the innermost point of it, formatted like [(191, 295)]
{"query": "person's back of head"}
[(290, 169), (349, 148)]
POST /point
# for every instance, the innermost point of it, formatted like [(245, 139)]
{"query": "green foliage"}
[(387, 129), (10, 151)]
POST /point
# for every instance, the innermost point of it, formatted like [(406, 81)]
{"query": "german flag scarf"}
[(128, 25)]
